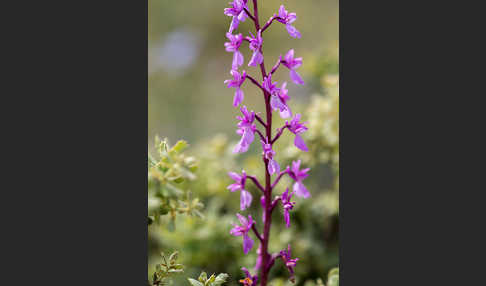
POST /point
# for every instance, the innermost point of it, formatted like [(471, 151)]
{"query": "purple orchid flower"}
[(237, 12), (289, 262), (243, 230), (288, 18), (233, 46), (249, 279), (287, 206), (268, 153), (279, 101), (269, 86), (293, 64), (246, 129), (297, 128), (299, 175), (236, 82), (255, 45), (239, 184)]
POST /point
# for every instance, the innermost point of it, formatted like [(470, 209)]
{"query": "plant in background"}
[(276, 99), (203, 280), (172, 168), (165, 270)]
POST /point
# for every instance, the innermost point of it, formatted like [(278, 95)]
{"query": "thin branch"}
[(257, 234), (256, 182), (275, 67), (261, 135), (260, 120), (272, 260), (267, 24), (278, 178), (280, 131), (249, 14), (275, 202), (255, 82)]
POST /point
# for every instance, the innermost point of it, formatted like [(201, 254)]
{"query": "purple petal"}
[(245, 199), (241, 147), (234, 187), (299, 143), (247, 243), (273, 167), (256, 59), (233, 25), (242, 219), (300, 190), (237, 60), (234, 176), (286, 113), (296, 77), (293, 31), (239, 95), (287, 218)]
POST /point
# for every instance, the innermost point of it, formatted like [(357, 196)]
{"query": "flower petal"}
[(296, 77), (239, 95), (293, 32), (247, 243), (299, 143), (300, 190)]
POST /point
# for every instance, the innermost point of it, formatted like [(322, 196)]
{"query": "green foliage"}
[(203, 280), (333, 277), (314, 230), (165, 270), (166, 173)]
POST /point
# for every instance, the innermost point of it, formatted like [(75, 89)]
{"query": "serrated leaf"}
[(194, 282)]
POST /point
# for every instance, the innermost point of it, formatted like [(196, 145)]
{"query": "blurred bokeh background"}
[(187, 100)]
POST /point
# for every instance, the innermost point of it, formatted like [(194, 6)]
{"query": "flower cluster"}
[(276, 99)]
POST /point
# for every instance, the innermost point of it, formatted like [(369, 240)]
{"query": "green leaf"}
[(203, 277), (180, 146), (194, 282), (220, 279), (173, 257), (333, 277)]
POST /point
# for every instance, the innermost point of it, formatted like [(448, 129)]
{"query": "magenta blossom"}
[(233, 46), (269, 86), (239, 184), (287, 205), (236, 82), (298, 176), (288, 18), (268, 153), (293, 64), (289, 262), (249, 280), (297, 128), (246, 129), (243, 230), (255, 45), (279, 101), (237, 12)]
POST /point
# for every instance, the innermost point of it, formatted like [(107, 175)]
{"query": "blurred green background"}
[(188, 100)]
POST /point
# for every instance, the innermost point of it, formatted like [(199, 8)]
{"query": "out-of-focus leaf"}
[(220, 279), (194, 282), (180, 146)]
